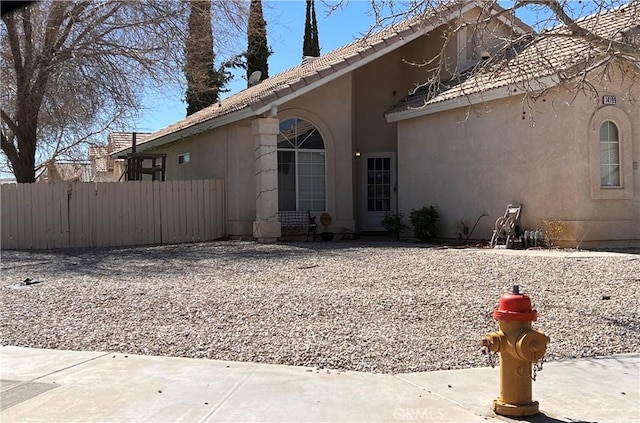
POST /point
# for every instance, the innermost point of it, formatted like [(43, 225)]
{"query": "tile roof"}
[(121, 140), (551, 53), (67, 171), (317, 71)]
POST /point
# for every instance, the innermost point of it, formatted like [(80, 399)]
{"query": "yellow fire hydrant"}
[(519, 347)]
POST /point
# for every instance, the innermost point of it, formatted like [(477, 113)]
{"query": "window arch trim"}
[(609, 143), (302, 166), (620, 118)]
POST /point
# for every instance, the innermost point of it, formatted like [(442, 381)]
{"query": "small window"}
[(184, 158), (609, 155)]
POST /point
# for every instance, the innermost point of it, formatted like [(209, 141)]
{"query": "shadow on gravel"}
[(543, 418), (118, 261), (630, 250)]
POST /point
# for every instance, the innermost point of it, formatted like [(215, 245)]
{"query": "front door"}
[(378, 189)]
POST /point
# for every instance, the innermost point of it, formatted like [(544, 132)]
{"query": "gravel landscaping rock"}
[(353, 305)]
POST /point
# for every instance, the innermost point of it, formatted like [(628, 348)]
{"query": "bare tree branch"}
[(76, 67)]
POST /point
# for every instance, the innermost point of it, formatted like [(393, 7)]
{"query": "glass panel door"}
[(378, 184)]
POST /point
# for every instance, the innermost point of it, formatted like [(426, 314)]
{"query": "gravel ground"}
[(352, 305)]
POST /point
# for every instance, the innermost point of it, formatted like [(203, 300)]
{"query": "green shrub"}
[(393, 223), (425, 223)]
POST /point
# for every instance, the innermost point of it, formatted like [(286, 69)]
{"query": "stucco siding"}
[(330, 109), (384, 82), (538, 153), (226, 153)]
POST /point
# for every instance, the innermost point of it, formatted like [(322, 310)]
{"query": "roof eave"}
[(298, 88), (497, 93), (347, 65), (454, 103), (180, 134)]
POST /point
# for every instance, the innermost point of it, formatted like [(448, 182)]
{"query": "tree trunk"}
[(24, 170), (24, 161)]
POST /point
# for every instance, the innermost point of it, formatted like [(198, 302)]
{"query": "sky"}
[(285, 31)]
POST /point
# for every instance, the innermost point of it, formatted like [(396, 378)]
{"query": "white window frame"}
[(467, 48), (612, 162), (186, 158), (618, 116), (296, 150)]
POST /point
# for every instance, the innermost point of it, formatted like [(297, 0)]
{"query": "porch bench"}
[(298, 219)]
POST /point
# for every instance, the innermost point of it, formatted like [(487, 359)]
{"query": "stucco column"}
[(266, 227)]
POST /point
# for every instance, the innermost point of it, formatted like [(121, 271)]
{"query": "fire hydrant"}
[(519, 347)]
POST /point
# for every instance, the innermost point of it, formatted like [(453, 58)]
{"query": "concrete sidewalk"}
[(63, 386)]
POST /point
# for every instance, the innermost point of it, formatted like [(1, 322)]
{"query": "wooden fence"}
[(108, 214)]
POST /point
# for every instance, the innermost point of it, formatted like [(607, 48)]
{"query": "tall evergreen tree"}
[(203, 81), (258, 51), (311, 44)]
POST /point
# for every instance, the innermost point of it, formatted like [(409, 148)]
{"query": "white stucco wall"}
[(349, 113), (473, 161), (226, 153), (330, 109), (229, 153)]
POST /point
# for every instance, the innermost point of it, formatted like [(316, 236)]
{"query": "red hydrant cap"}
[(515, 307)]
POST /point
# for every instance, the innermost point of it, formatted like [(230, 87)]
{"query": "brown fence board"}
[(188, 211), (123, 218), (191, 203), (81, 230), (168, 212), (34, 220), (128, 213), (28, 224), (219, 207), (46, 196), (75, 217), (178, 204), (10, 225), (9, 216), (199, 210), (141, 214), (146, 214), (55, 210), (135, 208), (157, 229), (206, 190), (181, 223), (93, 205), (42, 216), (110, 223), (212, 213), (115, 226), (164, 210), (100, 215), (19, 223)]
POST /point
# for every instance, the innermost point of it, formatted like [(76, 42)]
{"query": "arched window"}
[(609, 155), (301, 167)]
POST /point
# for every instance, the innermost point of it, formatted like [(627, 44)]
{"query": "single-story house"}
[(352, 134)]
